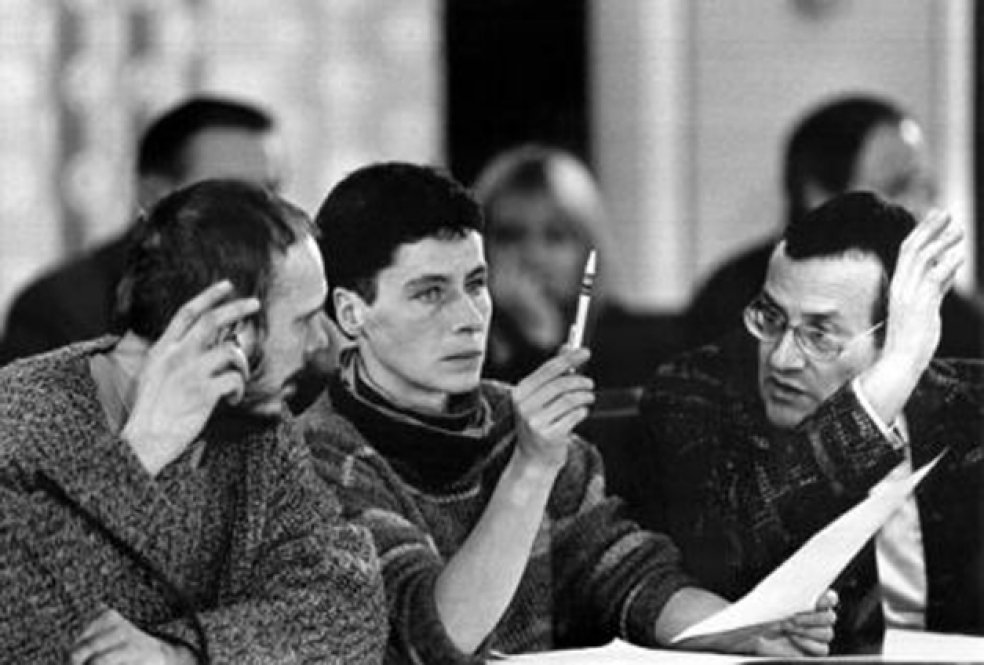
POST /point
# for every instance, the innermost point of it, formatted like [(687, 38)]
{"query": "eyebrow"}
[(425, 280), (809, 317)]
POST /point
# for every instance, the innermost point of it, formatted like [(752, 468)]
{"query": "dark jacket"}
[(738, 496), (72, 302)]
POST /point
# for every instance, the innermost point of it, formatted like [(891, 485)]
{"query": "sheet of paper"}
[(796, 585), (623, 653), (918, 645)]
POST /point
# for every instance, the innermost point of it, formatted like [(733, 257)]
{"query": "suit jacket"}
[(259, 569), (739, 497)]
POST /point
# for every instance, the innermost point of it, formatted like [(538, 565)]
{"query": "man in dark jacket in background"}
[(202, 137)]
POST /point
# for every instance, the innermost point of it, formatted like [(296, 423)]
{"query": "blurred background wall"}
[(681, 106)]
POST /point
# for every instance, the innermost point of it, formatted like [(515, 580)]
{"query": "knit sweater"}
[(239, 551), (421, 486)]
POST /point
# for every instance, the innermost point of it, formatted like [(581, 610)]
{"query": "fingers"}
[(189, 313), (809, 646), (554, 400), (227, 370), (102, 635), (811, 623), (208, 313), (562, 415), (563, 363), (210, 328), (932, 241), (828, 601)]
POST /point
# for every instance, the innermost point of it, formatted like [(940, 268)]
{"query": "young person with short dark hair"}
[(489, 514)]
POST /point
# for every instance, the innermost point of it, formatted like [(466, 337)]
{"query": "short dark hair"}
[(198, 235), (376, 209), (824, 146), (163, 143), (859, 222)]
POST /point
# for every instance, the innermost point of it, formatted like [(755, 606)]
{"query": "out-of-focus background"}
[(680, 106)]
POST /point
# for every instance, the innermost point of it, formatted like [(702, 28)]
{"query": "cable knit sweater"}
[(240, 552), (421, 485)]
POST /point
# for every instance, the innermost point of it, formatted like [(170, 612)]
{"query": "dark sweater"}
[(245, 547), (591, 575)]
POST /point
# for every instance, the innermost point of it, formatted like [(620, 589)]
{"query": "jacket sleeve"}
[(735, 496), (313, 593), (36, 589), (612, 578)]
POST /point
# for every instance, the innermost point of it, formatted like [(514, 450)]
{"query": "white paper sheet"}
[(622, 653), (797, 584), (927, 647)]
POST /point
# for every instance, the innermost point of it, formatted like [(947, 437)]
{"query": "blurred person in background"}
[(856, 142), (544, 214), (201, 137)]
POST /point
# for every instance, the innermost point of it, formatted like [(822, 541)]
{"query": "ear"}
[(350, 311)]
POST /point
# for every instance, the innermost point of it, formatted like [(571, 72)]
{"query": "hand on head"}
[(549, 404), (193, 365), (927, 266)]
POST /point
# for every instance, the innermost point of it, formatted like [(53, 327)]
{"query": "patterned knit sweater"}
[(421, 485), (240, 553)]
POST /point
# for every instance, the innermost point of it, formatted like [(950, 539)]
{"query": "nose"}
[(470, 314), (785, 353)]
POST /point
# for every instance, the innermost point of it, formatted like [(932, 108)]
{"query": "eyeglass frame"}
[(756, 305)]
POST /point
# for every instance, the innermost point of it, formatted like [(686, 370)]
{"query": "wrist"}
[(888, 384), (148, 448), (527, 478)]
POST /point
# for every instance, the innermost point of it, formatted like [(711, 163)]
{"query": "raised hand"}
[(188, 370), (927, 265), (111, 639), (549, 404), (926, 268)]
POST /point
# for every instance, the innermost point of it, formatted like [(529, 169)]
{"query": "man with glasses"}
[(755, 443)]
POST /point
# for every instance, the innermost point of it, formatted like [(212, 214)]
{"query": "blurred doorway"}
[(516, 71)]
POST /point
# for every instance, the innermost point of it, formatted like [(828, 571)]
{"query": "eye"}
[(477, 284), (430, 295), (819, 341), (772, 318)]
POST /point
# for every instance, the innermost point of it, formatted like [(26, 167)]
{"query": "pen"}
[(576, 337)]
